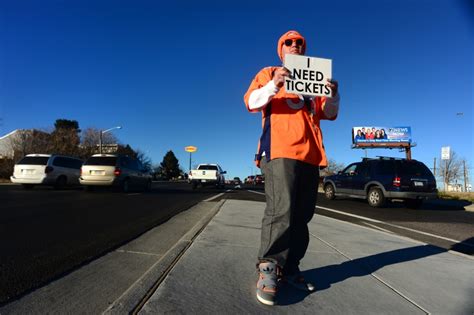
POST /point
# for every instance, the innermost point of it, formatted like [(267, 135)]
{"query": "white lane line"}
[(255, 192), (396, 226), (216, 196), (385, 223)]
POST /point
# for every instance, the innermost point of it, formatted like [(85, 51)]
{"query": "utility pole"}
[(465, 176), (445, 175), (434, 168)]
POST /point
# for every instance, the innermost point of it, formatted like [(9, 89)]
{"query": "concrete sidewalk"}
[(357, 270)]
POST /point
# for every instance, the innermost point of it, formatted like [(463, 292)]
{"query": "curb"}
[(139, 293)]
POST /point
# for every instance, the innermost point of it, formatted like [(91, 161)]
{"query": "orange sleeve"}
[(261, 79)]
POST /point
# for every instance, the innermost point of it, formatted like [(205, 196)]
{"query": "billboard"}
[(380, 135)]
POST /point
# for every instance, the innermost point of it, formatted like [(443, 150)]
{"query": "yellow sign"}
[(190, 149)]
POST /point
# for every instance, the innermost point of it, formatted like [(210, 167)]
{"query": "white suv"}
[(114, 170), (47, 169)]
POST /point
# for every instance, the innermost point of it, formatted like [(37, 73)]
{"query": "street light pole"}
[(100, 142), (102, 132)]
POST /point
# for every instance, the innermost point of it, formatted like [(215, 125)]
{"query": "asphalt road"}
[(45, 234), (441, 223)]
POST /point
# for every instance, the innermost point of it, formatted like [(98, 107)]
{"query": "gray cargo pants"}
[(291, 192)]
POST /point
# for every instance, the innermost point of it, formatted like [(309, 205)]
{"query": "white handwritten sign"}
[(308, 75)]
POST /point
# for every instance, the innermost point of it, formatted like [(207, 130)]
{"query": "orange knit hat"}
[(289, 35)]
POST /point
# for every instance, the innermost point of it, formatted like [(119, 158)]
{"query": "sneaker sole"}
[(266, 302)]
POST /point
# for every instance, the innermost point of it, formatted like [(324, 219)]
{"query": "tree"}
[(169, 168), (126, 150), (25, 142), (67, 124), (333, 167), (145, 160), (65, 138), (451, 170), (90, 141)]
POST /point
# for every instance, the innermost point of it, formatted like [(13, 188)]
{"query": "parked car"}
[(259, 180), (250, 179), (47, 169), (383, 179), (115, 170)]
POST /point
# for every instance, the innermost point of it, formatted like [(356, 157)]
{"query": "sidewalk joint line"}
[(399, 293), (135, 252), (378, 228), (175, 261), (372, 274), (155, 286)]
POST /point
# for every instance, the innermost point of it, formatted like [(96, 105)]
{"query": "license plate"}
[(203, 180), (418, 184), (27, 171), (97, 172)]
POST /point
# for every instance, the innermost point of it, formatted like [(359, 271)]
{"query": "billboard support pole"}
[(408, 152)]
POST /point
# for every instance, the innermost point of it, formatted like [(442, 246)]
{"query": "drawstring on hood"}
[(289, 35)]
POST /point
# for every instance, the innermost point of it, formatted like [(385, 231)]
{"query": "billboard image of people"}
[(376, 134)]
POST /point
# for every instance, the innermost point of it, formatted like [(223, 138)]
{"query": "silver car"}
[(114, 170)]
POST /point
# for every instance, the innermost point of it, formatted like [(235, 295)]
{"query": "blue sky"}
[(174, 73)]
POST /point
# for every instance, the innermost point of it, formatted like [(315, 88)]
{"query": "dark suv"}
[(382, 179)]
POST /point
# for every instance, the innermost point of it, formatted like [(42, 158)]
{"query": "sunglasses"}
[(289, 42)]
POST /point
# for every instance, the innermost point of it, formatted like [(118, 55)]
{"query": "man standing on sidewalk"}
[(290, 153)]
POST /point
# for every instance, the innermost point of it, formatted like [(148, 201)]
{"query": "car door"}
[(360, 178), (142, 173), (135, 173), (344, 180)]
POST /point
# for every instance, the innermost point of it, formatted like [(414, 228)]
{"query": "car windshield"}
[(208, 167), (102, 160), (34, 160)]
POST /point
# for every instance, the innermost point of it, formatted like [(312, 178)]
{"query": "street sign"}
[(445, 153), (190, 149)]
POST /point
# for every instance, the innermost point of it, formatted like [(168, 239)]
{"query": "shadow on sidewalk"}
[(326, 276)]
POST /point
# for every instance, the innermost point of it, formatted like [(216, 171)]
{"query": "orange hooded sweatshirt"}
[(291, 123)]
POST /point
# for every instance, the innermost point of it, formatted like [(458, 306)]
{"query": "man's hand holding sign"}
[(308, 76)]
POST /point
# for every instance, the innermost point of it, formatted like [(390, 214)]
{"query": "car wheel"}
[(375, 198), (194, 185), (28, 186), (414, 203), (126, 186), (329, 192), (61, 182)]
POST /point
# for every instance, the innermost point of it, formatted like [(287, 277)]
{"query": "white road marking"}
[(255, 192), (395, 226), (217, 196)]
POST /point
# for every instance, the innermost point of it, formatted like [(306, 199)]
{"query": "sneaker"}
[(298, 281), (267, 284)]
